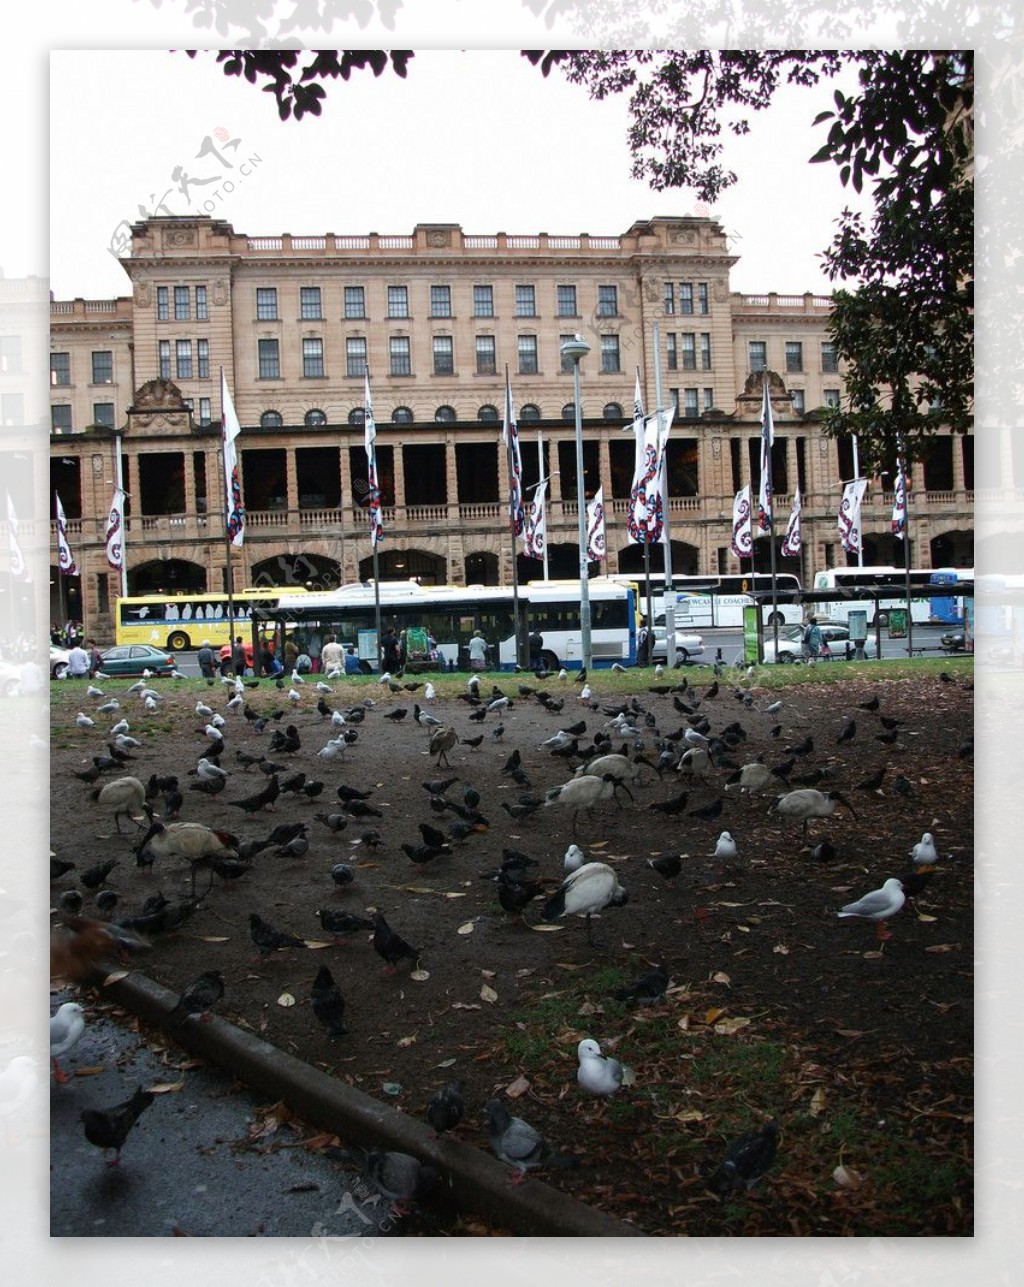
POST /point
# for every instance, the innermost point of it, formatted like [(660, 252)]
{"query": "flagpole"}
[(767, 437), (509, 430), (540, 475), (119, 484), (856, 474), (229, 587), (372, 470), (670, 598), (901, 466)]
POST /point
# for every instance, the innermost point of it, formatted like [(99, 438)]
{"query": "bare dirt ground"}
[(777, 1010)]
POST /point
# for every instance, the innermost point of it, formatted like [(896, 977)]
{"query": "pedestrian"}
[(78, 662), (352, 666), (390, 657), (332, 657), (313, 651), (536, 642), (291, 651), (207, 661), (813, 640), (303, 663), (95, 658), (238, 659), (477, 652), (641, 643)]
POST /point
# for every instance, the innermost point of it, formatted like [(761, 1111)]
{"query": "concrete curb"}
[(479, 1182)]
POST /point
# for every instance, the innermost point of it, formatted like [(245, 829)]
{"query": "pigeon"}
[(746, 1160), (342, 874), (328, 1003), (878, 906), (600, 1074), (518, 1144), (332, 821), (648, 989), (254, 803), (667, 865), (707, 812), (339, 922), (401, 1178), (66, 1029), (109, 1127), (71, 902), (446, 1107), (391, 946), (198, 999), (848, 732), (267, 938), (95, 876)]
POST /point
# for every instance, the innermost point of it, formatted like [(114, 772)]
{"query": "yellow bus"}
[(177, 622)]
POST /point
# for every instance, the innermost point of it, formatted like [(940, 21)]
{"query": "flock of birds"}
[(628, 746)]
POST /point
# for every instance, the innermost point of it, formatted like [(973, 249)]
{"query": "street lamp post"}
[(576, 350)]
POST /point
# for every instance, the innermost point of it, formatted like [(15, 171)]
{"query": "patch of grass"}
[(747, 1065)]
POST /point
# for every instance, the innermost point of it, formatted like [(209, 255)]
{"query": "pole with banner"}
[(373, 501), (637, 517), (516, 512), (66, 565), (666, 532), (901, 529), (766, 504), (234, 526)]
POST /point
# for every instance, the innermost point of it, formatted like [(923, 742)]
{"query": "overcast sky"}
[(477, 138)]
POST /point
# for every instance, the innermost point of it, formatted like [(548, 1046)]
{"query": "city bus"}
[(925, 608), (719, 600), (177, 622), (449, 615)]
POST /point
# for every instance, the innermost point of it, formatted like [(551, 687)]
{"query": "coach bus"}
[(448, 615), (891, 582), (719, 600), (178, 622)]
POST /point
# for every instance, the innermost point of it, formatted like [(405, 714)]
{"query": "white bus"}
[(925, 608), (448, 615), (703, 602)]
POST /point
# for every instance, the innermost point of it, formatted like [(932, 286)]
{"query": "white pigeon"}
[(332, 749), (83, 721), (600, 1074), (574, 858), (924, 852), (429, 693), (66, 1028), (726, 847)]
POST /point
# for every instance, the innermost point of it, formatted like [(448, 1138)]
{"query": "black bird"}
[(269, 767), (902, 785), (397, 714), (156, 785), (498, 732), (333, 921), (848, 732), (107, 899), (360, 809), (515, 895), (874, 781), (312, 789), (293, 783), (199, 998), (648, 989), (439, 786), (227, 868), (581, 676), (888, 723), (89, 775), (522, 808), (58, 868), (94, 877), (479, 715), (209, 786), (459, 829), (165, 920), (676, 805), (332, 821), (708, 812), (784, 769), (261, 800), (446, 1107), (472, 742), (328, 1003), (913, 882), (297, 847), (246, 760), (424, 853), (432, 836), (825, 852), (667, 865), (370, 838), (391, 946), (887, 739), (109, 1127), (267, 938), (871, 705), (342, 874), (71, 902), (353, 793), (803, 748), (745, 1161), (471, 797), (285, 831)]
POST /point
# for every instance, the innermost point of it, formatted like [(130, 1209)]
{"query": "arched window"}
[(401, 416), (529, 412), (445, 415), (356, 416), (569, 412), (612, 411), (487, 412), (315, 417), (271, 420)]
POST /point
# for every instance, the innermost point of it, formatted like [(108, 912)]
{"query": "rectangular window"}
[(691, 408), (310, 307), (567, 363), (705, 351), (312, 359), (669, 299), (355, 356), (829, 360), (163, 311), (165, 359), (440, 301), (610, 354), (269, 359), (688, 351), (202, 312), (673, 397), (444, 355), (702, 298), (102, 366), (401, 355), (60, 368), (483, 301), (526, 301), (60, 418), (266, 303), (672, 359), (203, 359), (831, 397), (485, 355), (607, 301), (686, 297), (757, 355), (709, 399), (182, 312), (355, 302), (103, 414), (526, 346), (565, 301), (797, 398), (183, 359), (204, 411), (398, 301), (794, 355)]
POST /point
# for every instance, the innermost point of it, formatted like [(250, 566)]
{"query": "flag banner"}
[(535, 534), (899, 502), (65, 559), (665, 428), (114, 539), (742, 542), (19, 568), (595, 528), (372, 486), (849, 515), (791, 541), (764, 495), (232, 478), (510, 437), (646, 517)]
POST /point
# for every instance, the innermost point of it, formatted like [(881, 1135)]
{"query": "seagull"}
[(574, 859), (518, 1144), (878, 906), (924, 852), (600, 1074), (725, 848), (83, 720), (66, 1029)]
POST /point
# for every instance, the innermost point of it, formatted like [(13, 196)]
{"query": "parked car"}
[(10, 678), (58, 662), (952, 641), (133, 659), (687, 645), (791, 646)]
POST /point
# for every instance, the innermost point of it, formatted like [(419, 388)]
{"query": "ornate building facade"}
[(437, 318)]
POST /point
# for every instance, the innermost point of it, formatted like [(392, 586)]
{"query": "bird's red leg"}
[(59, 1075)]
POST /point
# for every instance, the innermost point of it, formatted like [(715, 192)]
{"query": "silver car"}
[(791, 645), (687, 645)]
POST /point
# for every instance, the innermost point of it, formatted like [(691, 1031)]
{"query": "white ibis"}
[(808, 803), (751, 778), (122, 796), (586, 891)]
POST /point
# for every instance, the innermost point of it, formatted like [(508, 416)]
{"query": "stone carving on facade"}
[(179, 237), (159, 407), (680, 235), (220, 292), (439, 238), (143, 293)]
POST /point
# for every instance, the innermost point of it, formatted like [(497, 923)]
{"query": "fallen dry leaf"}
[(166, 1087), (942, 947), (407, 1041), (817, 1105), (466, 928), (847, 1178), (519, 1087), (116, 976), (286, 999), (90, 1071), (720, 977), (488, 994), (729, 1026), (420, 975)]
